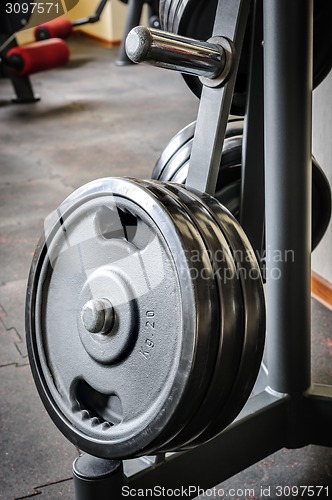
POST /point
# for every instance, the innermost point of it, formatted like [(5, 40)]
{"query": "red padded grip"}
[(40, 56), (59, 27)]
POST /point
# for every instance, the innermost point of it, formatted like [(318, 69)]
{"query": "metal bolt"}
[(98, 316)]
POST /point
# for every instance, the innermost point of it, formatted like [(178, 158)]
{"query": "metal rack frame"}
[(291, 412)]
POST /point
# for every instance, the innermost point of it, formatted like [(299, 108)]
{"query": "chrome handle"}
[(167, 50)]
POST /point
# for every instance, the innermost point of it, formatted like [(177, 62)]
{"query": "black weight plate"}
[(228, 185), (321, 203), (230, 197), (228, 190), (202, 273), (322, 40), (230, 164), (230, 194), (195, 19), (249, 276), (113, 395), (182, 141), (231, 324)]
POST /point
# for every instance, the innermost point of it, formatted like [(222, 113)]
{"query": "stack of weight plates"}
[(145, 318), (173, 165)]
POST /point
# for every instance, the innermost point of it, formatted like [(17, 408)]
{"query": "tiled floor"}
[(94, 120)]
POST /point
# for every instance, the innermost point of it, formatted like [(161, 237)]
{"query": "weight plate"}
[(118, 331), (231, 329), (230, 166), (163, 12), (249, 276), (321, 203), (322, 42), (228, 190), (180, 158), (185, 18), (179, 140), (168, 162), (196, 254)]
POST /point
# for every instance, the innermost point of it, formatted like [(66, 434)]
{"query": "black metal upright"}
[(288, 28)]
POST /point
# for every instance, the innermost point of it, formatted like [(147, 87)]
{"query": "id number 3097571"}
[(31, 7)]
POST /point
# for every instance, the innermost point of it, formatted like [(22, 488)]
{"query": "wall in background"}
[(322, 150), (102, 29), (111, 25), (109, 29)]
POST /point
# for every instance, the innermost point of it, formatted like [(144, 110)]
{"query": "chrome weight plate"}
[(230, 330), (118, 331), (195, 19)]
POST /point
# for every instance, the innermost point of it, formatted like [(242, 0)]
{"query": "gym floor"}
[(95, 120)]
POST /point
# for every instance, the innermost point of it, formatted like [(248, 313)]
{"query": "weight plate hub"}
[(128, 332)]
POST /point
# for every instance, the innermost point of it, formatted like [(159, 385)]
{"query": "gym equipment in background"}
[(134, 14), (61, 27), (35, 57), (17, 63), (10, 23)]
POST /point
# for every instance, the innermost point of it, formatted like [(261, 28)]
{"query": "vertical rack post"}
[(287, 88)]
